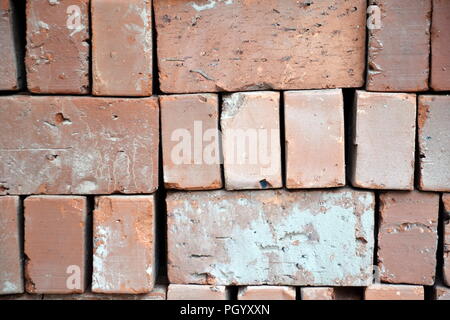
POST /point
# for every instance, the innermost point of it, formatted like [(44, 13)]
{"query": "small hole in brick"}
[(264, 184), (59, 118)]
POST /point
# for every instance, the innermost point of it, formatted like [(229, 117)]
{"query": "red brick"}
[(55, 244), (10, 57), (446, 270), (441, 292), (398, 52), (440, 46), (124, 244), (383, 140), (315, 153), (191, 161), (158, 293), (196, 292), (250, 124), (271, 237), (407, 237), (229, 45), (78, 145), (266, 293), (121, 47), (11, 273), (394, 292), (434, 136), (57, 57), (330, 293)]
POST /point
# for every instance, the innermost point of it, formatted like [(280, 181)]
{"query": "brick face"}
[(394, 292), (440, 46), (266, 293), (196, 292)]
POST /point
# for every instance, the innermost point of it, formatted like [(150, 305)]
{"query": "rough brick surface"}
[(250, 124), (228, 45), (55, 244), (124, 244), (284, 238), (441, 292), (10, 64), (121, 47), (398, 52), (315, 153), (266, 293), (434, 136), (78, 145), (446, 271), (57, 56), (407, 237), (157, 293), (393, 292), (190, 141), (317, 293), (440, 46), (383, 140), (196, 292), (11, 274)]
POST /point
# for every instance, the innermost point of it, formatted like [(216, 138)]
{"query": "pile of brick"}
[(225, 149)]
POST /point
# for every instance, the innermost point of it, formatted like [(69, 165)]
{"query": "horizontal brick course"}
[(393, 292)]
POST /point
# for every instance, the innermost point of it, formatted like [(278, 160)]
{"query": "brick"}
[(330, 293), (315, 153), (433, 137), (250, 123), (78, 145), (228, 45), (284, 238), (57, 56), (266, 293), (394, 292), (441, 292), (117, 25), (440, 46), (10, 54), (407, 237), (158, 293), (383, 142), (446, 223), (191, 153), (55, 244), (124, 244), (398, 51), (11, 273), (196, 292)]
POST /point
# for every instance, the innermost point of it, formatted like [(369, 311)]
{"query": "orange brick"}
[(196, 292), (394, 292), (266, 293), (440, 46)]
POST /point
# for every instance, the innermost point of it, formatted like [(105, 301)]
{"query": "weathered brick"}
[(190, 141), (446, 271), (10, 54), (78, 145), (266, 293), (250, 124), (440, 46), (157, 293), (284, 238), (393, 292), (11, 273), (229, 45), (124, 244), (434, 136), (330, 293), (399, 49), (55, 244), (315, 153), (121, 47), (383, 140), (196, 292), (57, 56), (441, 292), (407, 237)]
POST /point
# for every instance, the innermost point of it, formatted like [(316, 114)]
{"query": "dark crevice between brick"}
[(89, 241), (417, 152), (219, 126), (233, 292), (349, 100), (155, 72), (21, 219), (283, 138), (376, 228)]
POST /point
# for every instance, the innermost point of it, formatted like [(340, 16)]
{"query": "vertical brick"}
[(11, 273), (121, 47), (57, 57), (398, 52), (394, 292), (229, 45), (284, 238), (196, 292), (124, 244), (383, 140), (250, 125), (441, 292), (315, 153), (55, 244), (10, 55), (78, 145), (407, 237), (266, 293), (190, 141), (446, 271), (434, 136), (440, 46)]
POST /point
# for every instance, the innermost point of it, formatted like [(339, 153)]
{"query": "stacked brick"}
[(290, 163)]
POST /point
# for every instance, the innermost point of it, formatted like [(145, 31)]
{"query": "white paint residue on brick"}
[(101, 252), (211, 4), (8, 287)]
